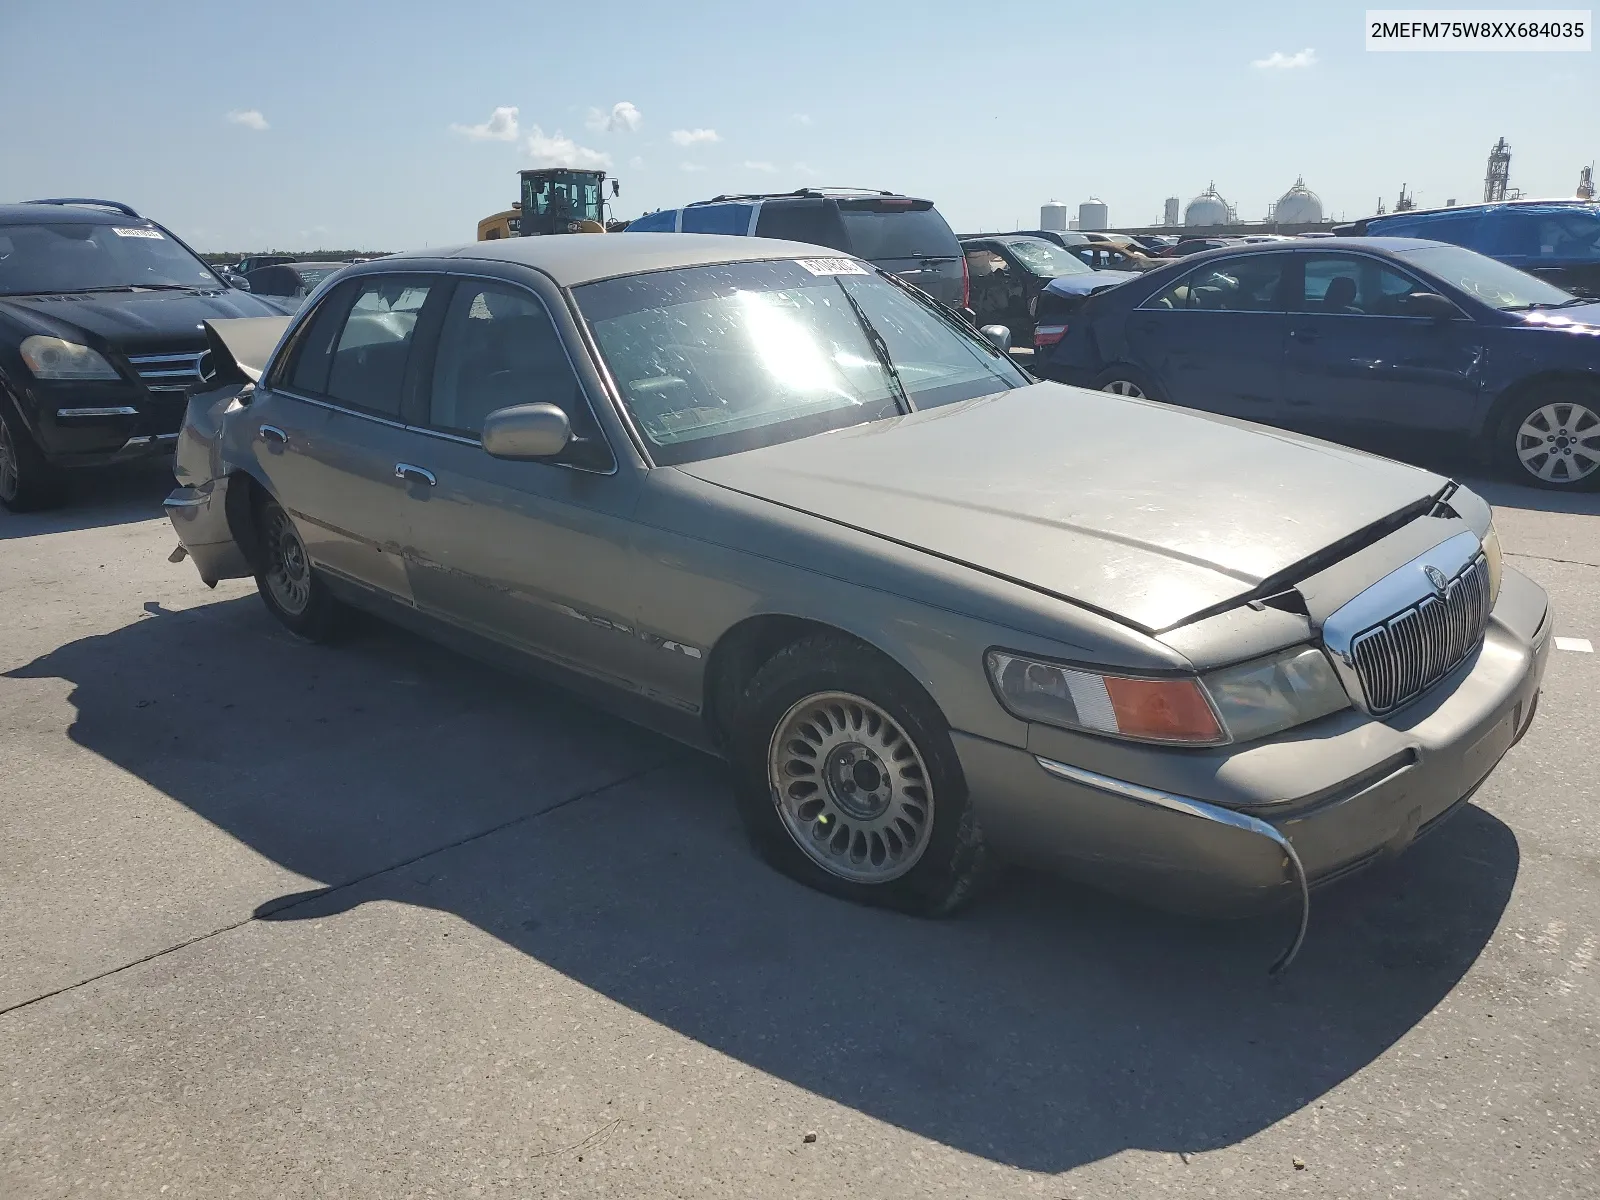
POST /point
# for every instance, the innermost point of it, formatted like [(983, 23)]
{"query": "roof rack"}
[(114, 205), (798, 192)]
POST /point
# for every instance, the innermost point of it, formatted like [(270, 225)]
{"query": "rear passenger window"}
[(498, 347), (717, 218), (814, 221), (369, 360)]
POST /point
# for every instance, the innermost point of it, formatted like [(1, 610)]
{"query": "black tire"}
[(27, 482), (953, 855), (290, 588), (1117, 379), (1561, 420)]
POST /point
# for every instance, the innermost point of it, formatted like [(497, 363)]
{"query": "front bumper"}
[(90, 424), (1345, 791)]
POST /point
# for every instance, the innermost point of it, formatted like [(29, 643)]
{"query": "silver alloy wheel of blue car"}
[(1124, 387), (851, 787), (1560, 442)]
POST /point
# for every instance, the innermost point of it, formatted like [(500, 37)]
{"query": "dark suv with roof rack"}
[(100, 337), (902, 234)]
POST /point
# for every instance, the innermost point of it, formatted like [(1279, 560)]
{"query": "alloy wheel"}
[(10, 472), (1560, 443), (288, 568), (1124, 387), (851, 787)]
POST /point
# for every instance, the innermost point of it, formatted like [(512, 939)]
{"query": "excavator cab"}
[(563, 200)]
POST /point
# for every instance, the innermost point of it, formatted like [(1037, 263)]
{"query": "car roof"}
[(1488, 206), (574, 258), (63, 214), (1385, 245), (318, 265)]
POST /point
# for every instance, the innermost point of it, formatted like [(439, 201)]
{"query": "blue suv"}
[(903, 235), (1558, 240)]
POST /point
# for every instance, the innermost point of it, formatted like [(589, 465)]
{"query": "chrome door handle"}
[(414, 474), (272, 433)]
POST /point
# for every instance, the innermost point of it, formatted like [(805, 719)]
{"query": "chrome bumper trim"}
[(1191, 807), (118, 411)]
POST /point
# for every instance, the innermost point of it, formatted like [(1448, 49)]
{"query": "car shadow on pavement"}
[(107, 496), (1046, 1027)]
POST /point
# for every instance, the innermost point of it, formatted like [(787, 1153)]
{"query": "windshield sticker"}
[(832, 266), (130, 231)]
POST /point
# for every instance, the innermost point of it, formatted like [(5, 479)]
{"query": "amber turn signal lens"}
[(1168, 710)]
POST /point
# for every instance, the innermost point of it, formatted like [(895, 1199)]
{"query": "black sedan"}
[(1026, 284), (290, 282), (1372, 341)]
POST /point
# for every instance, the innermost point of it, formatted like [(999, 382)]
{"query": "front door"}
[(532, 554), (328, 428), (1359, 368), (1214, 339), (996, 290)]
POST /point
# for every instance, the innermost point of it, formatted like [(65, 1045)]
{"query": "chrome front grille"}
[(1399, 658), (170, 372)]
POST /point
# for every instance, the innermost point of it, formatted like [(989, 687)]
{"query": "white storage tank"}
[(1208, 208), (1169, 211), (1053, 215), (1298, 206), (1093, 214)]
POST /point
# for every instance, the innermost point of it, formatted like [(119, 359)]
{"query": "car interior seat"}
[(1340, 296)]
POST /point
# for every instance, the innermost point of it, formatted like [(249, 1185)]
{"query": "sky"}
[(396, 125)]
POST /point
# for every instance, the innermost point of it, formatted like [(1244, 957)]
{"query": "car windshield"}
[(719, 359), (79, 256), (1489, 280), (1046, 259)]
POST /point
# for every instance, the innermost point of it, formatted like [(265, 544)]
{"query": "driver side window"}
[(498, 347)]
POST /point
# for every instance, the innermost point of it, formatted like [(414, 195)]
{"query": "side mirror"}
[(1432, 305), (526, 431), (998, 336), (238, 282), (616, 187)]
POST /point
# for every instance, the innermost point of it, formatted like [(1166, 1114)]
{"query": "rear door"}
[(1359, 367), (328, 427), (908, 238), (1215, 338)]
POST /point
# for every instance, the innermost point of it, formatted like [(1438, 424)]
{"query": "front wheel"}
[(847, 780), (27, 482), (289, 587), (1551, 439)]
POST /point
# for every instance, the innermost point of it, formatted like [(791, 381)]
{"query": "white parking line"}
[(1581, 645)]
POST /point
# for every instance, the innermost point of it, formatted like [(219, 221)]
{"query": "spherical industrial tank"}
[(1298, 206), (1093, 214), (1208, 208), (1053, 215)]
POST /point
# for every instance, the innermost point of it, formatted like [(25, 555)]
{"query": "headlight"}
[(1235, 704), (1491, 554), (1272, 694), (55, 358)]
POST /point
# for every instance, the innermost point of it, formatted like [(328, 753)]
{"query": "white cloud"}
[(500, 127), (690, 137), (1279, 61), (624, 117), (636, 163), (760, 166), (801, 118), (558, 150), (688, 166), (250, 118)]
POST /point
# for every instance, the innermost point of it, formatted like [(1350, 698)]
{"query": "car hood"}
[(135, 318), (1095, 281), (1580, 318), (1147, 513)]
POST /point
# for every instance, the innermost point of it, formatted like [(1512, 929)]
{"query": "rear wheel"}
[(847, 780), (290, 588), (1123, 380), (27, 482), (1551, 439)]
